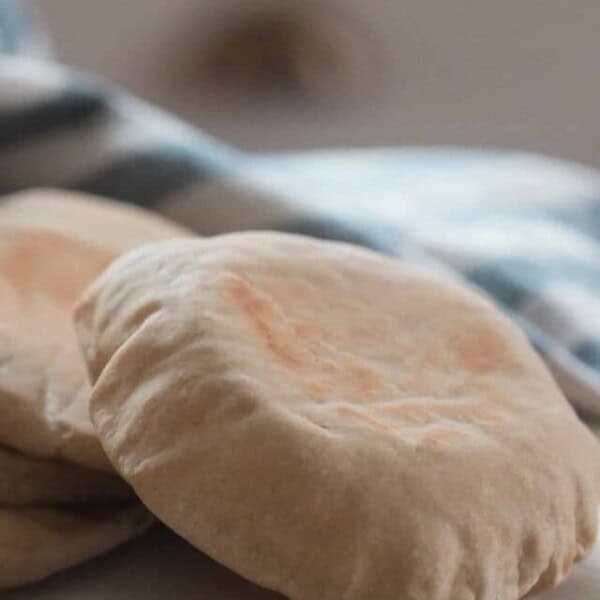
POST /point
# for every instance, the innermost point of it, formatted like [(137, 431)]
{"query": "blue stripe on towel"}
[(331, 229), (513, 280), (68, 110), (508, 281), (146, 176), (585, 218), (588, 352)]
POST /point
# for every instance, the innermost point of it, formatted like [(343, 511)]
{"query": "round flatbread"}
[(26, 481), (51, 247), (333, 424), (94, 220), (37, 542)]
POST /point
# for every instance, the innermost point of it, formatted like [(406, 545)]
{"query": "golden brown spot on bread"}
[(50, 262), (472, 411), (365, 381), (350, 411), (315, 389), (305, 349), (432, 357), (480, 350), (263, 314), (306, 331), (439, 435), (329, 367)]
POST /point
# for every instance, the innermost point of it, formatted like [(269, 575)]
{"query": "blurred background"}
[(272, 74)]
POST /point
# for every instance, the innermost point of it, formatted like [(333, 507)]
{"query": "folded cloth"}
[(523, 228)]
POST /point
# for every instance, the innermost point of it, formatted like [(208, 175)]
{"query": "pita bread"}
[(51, 247), (26, 481), (37, 542), (336, 425), (98, 221)]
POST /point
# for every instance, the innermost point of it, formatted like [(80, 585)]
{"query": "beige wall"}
[(513, 73)]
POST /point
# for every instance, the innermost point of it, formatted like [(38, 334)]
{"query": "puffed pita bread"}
[(52, 245), (26, 481), (37, 542), (336, 425)]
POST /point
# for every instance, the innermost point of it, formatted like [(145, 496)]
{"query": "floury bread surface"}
[(336, 425), (57, 507), (52, 245)]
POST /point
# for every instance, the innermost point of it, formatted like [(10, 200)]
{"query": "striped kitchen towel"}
[(523, 228)]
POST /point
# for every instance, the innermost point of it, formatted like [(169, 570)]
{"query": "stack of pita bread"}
[(60, 500), (327, 422)]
